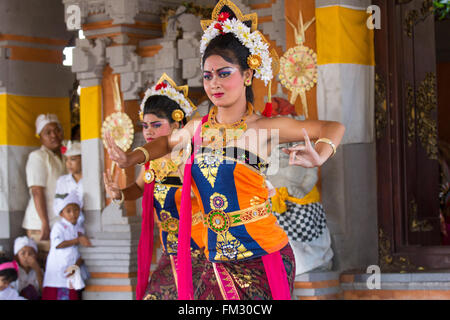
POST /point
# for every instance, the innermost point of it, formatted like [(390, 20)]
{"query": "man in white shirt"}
[(44, 166)]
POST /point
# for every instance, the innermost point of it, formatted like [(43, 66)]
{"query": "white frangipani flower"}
[(171, 93), (252, 40)]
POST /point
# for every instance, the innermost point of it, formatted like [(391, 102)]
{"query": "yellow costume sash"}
[(279, 199)]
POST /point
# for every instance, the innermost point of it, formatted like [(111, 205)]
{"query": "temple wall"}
[(32, 81), (345, 93)]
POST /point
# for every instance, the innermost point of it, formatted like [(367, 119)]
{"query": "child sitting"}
[(62, 279), (8, 274), (30, 274)]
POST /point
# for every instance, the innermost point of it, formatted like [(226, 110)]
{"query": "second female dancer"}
[(163, 110)]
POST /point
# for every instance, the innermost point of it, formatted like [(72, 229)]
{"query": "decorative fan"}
[(118, 124), (298, 66), (121, 128)]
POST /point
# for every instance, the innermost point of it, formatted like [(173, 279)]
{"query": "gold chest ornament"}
[(219, 135)]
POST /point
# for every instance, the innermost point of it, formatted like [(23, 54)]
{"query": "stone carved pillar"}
[(89, 60)]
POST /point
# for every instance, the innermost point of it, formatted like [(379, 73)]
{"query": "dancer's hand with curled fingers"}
[(304, 154), (115, 153), (111, 186)]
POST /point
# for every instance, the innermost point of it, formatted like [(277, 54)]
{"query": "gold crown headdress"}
[(167, 87), (260, 59)]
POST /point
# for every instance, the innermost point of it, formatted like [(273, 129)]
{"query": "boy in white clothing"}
[(64, 259), (73, 180)]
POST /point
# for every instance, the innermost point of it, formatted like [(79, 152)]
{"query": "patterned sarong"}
[(163, 284), (243, 280)]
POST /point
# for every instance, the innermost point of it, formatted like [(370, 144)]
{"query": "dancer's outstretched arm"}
[(156, 148), (307, 155)]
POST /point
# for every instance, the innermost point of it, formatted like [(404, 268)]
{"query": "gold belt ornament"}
[(197, 218), (172, 225), (220, 221)]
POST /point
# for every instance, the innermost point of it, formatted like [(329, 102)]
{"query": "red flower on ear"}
[(161, 85), (63, 149), (223, 16)]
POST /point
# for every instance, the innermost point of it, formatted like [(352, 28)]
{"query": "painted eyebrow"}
[(218, 70), (153, 122)]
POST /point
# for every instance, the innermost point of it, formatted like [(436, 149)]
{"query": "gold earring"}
[(248, 82), (177, 115)]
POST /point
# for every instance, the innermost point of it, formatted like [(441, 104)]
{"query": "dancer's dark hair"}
[(162, 107)]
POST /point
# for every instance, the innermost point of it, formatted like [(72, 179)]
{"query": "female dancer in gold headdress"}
[(163, 109), (249, 254)]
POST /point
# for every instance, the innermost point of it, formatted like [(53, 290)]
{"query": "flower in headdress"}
[(245, 38), (165, 89), (254, 41), (63, 149), (254, 61), (223, 16), (161, 85), (219, 27), (177, 115)]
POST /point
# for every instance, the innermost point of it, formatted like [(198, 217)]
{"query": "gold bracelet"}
[(147, 156), (122, 199), (326, 140)]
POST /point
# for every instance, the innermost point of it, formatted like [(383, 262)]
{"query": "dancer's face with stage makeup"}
[(223, 81), (154, 127)]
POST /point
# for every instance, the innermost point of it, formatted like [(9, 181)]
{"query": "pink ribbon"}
[(184, 270), (9, 265), (273, 263), (276, 275), (145, 246)]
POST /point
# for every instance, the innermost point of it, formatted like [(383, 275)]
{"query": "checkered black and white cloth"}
[(302, 223)]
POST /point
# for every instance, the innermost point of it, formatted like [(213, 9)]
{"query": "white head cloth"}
[(43, 119), (62, 200), (73, 148), (24, 241)]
